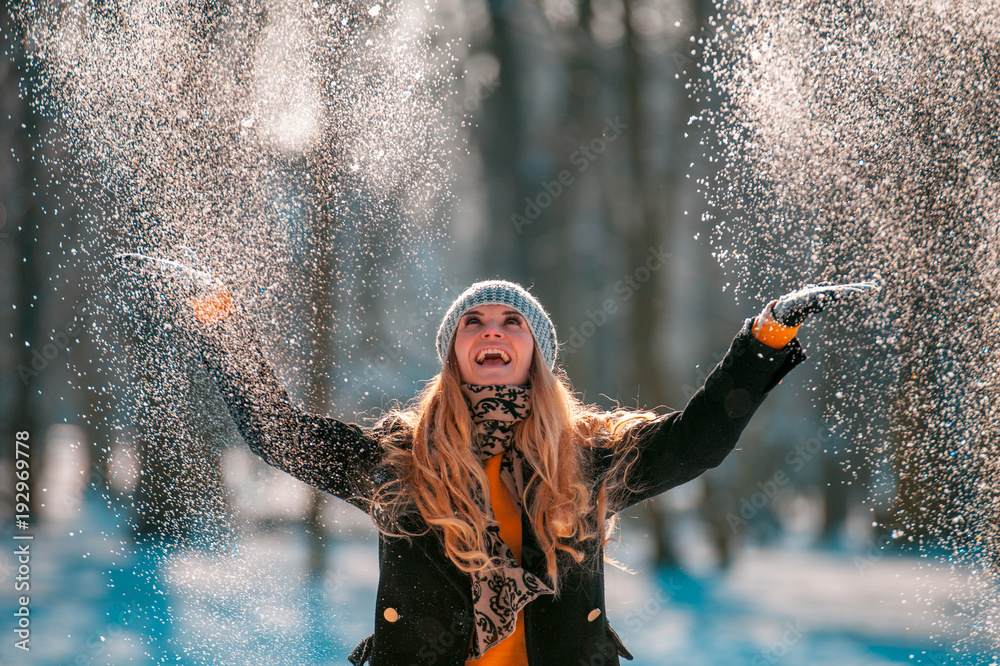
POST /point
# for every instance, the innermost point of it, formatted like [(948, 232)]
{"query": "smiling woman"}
[(493, 345), (495, 491)]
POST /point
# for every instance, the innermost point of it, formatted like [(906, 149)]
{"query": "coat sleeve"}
[(677, 447), (328, 454)]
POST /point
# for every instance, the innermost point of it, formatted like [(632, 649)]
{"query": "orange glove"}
[(213, 307), (780, 320), (209, 299), (770, 331)]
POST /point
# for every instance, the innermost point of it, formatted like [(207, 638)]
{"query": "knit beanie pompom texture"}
[(500, 292)]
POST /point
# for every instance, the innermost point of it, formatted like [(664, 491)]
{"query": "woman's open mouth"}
[(493, 356)]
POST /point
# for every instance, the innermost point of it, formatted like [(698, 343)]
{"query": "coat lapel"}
[(532, 558), (434, 550)]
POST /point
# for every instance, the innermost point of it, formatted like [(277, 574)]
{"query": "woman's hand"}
[(213, 307), (780, 320), (209, 299)]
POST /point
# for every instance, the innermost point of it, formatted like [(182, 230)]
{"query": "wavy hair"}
[(432, 469)]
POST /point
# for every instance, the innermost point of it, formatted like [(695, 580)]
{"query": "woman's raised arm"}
[(333, 456), (679, 446)]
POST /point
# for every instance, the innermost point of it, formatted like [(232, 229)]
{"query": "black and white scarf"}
[(499, 594)]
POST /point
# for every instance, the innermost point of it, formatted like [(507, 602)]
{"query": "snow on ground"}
[(792, 607), (96, 600)]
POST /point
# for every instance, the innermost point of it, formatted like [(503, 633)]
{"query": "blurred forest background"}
[(570, 167)]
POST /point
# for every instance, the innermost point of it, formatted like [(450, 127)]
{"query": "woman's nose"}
[(492, 329)]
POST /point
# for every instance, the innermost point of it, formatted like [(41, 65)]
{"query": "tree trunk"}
[(20, 125)]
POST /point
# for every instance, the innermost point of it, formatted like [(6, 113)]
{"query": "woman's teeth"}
[(494, 354)]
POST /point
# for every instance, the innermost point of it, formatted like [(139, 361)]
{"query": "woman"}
[(517, 579)]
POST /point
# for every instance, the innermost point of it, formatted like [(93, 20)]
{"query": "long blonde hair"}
[(434, 470)]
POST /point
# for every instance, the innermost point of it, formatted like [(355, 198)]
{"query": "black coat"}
[(423, 611)]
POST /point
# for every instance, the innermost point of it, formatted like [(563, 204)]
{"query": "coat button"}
[(594, 614), (390, 614)]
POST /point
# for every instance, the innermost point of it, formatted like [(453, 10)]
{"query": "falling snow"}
[(861, 141), (855, 141), (298, 152)]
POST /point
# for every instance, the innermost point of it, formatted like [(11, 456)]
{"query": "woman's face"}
[(494, 346)]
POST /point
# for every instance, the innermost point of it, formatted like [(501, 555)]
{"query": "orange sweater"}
[(512, 650)]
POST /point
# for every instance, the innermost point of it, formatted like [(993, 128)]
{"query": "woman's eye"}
[(513, 320), (471, 320)]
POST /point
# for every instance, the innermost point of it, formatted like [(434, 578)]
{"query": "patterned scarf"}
[(498, 595)]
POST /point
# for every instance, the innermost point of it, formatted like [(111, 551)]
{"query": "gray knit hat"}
[(500, 292)]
